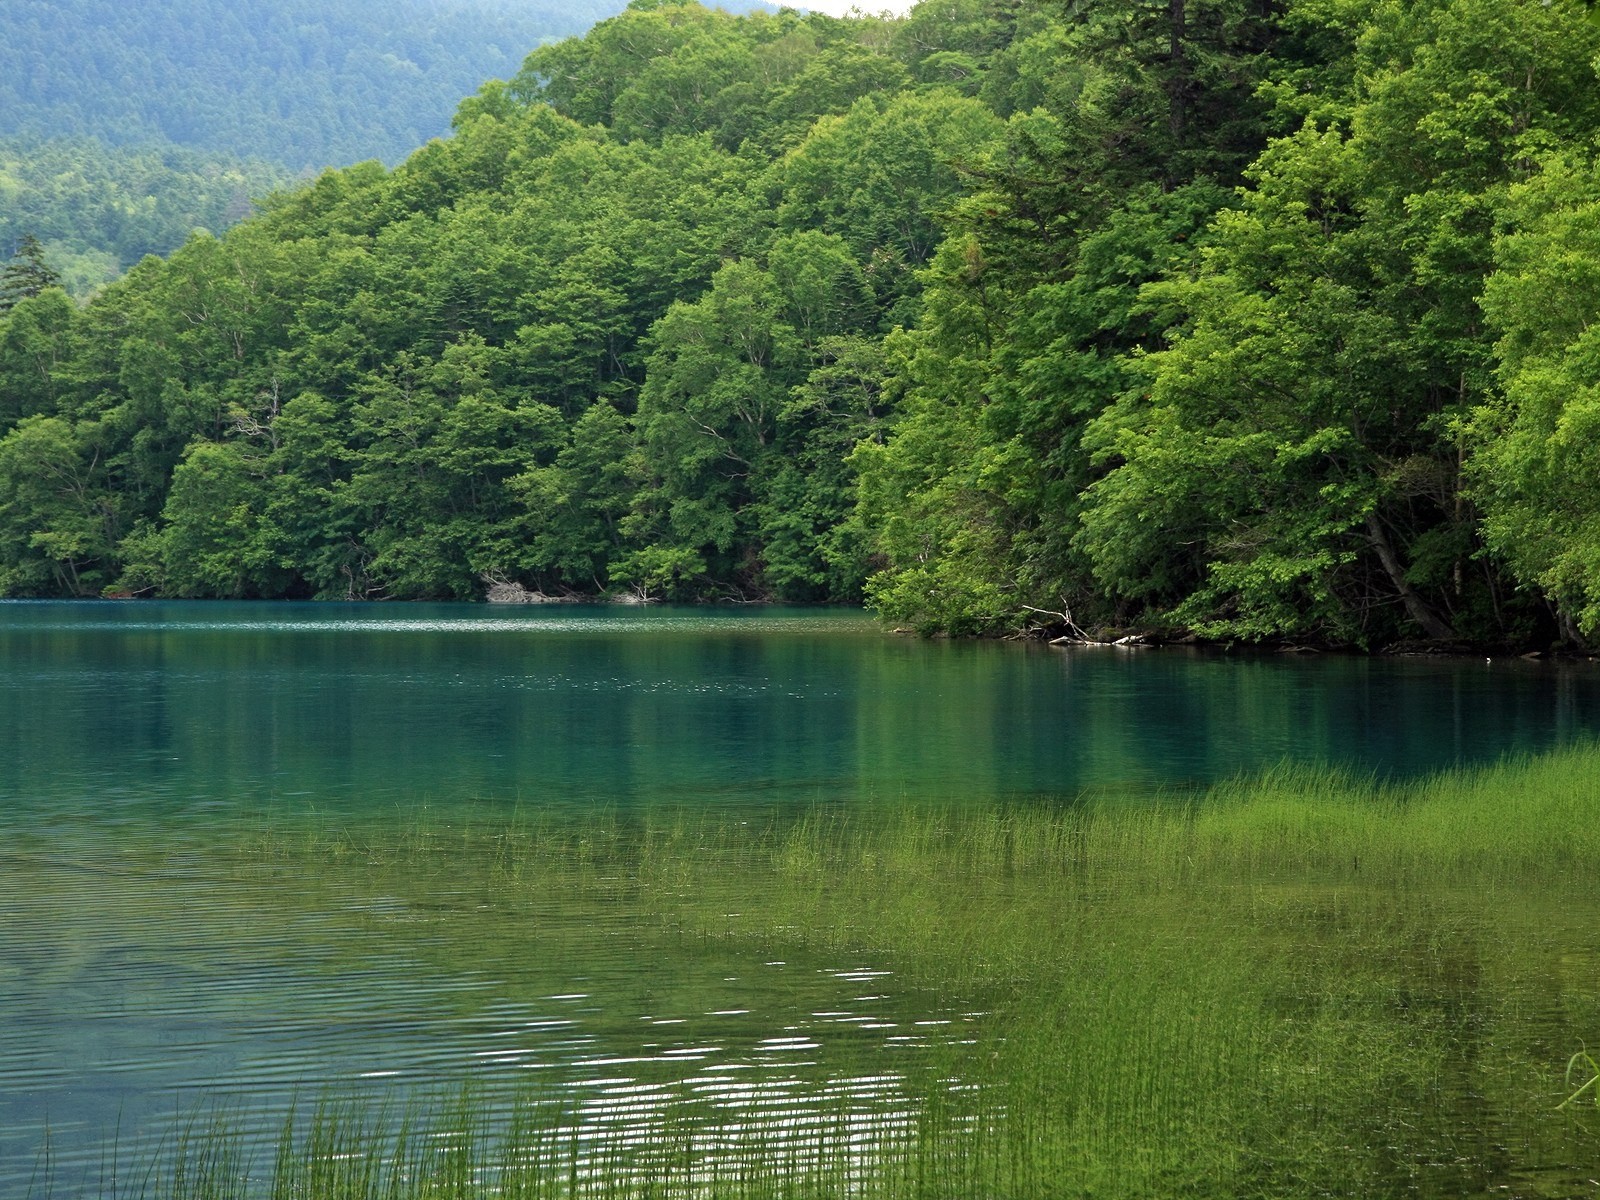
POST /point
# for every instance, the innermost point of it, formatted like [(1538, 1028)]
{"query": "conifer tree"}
[(27, 274)]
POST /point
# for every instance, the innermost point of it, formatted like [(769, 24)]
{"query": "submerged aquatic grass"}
[(1301, 984)]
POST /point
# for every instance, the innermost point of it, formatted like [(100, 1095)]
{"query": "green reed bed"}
[(1301, 984), (468, 1147)]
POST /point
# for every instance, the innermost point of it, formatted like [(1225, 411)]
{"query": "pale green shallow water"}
[(140, 967)]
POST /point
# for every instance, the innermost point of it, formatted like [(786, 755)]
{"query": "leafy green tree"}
[(315, 532), (1535, 464), (576, 506), (584, 78), (59, 522), (214, 541), (812, 549), (35, 346), (708, 414), (880, 176), (437, 445), (824, 288), (1296, 444)]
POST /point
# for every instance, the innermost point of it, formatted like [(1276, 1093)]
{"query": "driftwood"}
[(505, 591), (1131, 640), (1074, 635)]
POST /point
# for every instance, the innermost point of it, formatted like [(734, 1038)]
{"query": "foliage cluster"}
[(1270, 408), (1225, 315)]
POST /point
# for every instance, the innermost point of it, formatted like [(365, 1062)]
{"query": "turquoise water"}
[(142, 968), (204, 707)]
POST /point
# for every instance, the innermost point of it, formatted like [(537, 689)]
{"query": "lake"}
[(201, 903)]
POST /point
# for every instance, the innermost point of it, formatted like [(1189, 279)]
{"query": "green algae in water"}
[(1298, 985)]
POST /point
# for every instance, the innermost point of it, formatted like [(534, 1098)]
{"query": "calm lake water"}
[(146, 960)]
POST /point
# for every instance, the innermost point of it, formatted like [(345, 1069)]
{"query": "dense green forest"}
[(1257, 319), (125, 127), (99, 209), (305, 83)]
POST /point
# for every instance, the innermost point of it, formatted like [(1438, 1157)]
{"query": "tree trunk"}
[(1177, 77), (1432, 624), (1570, 633)]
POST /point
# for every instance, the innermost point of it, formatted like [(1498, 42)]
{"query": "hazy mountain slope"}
[(125, 126), (306, 83), (98, 209)]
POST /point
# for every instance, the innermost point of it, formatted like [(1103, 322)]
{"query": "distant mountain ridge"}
[(304, 83)]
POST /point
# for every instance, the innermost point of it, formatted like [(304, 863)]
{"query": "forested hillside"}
[(305, 83), (125, 126), (99, 209), (1257, 319)]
